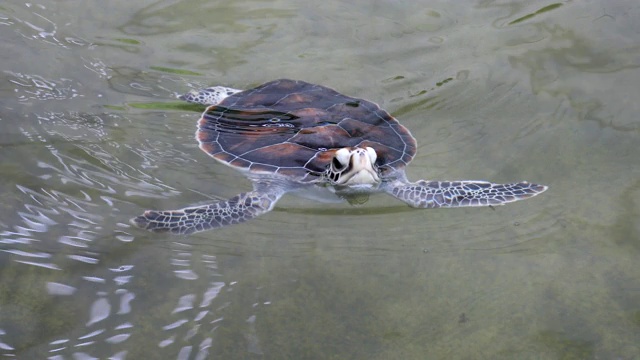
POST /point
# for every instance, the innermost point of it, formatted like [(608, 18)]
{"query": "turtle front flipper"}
[(436, 194), (240, 208)]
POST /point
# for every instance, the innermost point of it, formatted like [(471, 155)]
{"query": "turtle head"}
[(353, 166)]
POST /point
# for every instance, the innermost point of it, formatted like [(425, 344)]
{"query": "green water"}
[(91, 135)]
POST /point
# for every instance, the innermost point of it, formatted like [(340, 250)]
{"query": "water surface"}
[(91, 135)]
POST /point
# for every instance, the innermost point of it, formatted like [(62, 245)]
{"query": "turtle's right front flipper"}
[(240, 208)]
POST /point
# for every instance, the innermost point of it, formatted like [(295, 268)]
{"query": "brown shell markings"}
[(293, 128)]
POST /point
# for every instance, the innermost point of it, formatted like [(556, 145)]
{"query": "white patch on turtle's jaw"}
[(354, 167)]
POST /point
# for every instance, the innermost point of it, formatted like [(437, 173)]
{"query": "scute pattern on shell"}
[(293, 128)]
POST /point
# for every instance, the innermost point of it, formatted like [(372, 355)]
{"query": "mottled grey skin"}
[(269, 188), (209, 96), (437, 194), (238, 209)]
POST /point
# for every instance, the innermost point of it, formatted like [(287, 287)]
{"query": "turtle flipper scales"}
[(239, 208), (436, 194), (209, 96)]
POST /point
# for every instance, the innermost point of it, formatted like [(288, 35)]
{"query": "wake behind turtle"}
[(288, 135)]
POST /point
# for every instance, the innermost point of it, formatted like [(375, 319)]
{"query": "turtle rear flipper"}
[(239, 208), (209, 96), (436, 194)]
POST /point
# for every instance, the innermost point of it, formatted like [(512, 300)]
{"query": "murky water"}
[(91, 135)]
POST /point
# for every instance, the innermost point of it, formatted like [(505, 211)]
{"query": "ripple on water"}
[(66, 211), (68, 204), (80, 222), (54, 288), (36, 87), (33, 22)]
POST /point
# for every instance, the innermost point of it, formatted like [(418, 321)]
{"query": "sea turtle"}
[(293, 136)]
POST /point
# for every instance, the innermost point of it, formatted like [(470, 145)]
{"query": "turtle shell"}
[(293, 128)]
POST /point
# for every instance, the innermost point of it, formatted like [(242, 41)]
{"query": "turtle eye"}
[(341, 159), (337, 165), (372, 155)]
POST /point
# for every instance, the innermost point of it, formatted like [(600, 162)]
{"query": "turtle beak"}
[(363, 167), (360, 160)]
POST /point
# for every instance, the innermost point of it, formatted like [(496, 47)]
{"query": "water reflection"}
[(66, 219), (83, 272), (36, 87), (89, 276)]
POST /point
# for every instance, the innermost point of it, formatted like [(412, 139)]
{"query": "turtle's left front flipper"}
[(436, 194)]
